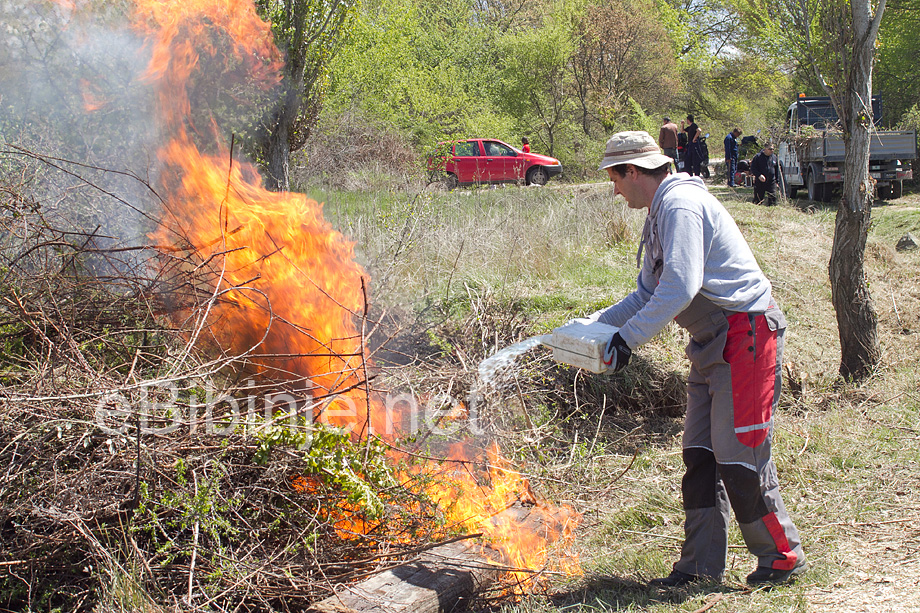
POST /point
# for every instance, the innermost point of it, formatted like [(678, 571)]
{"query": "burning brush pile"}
[(188, 417)]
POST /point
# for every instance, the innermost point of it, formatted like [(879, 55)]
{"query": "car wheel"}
[(451, 182), (537, 176)]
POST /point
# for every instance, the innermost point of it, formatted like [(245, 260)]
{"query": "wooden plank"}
[(433, 583)]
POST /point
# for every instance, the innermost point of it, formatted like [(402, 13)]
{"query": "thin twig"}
[(367, 390), (191, 570), (405, 552), (600, 421), (896, 314), (710, 604)]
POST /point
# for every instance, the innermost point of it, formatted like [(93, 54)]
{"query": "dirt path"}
[(882, 576)]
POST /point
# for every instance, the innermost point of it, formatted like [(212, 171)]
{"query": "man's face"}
[(768, 150), (626, 185)]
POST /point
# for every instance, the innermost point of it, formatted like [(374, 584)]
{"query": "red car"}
[(487, 160)]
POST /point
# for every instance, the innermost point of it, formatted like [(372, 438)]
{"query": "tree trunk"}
[(856, 319), (277, 159), (435, 583), (276, 147)]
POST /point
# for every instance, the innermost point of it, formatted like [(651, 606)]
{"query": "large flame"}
[(503, 507), (287, 287), (284, 287)]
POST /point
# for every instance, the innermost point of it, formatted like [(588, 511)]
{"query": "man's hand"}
[(762, 179), (617, 355)]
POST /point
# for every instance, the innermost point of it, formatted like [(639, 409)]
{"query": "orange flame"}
[(518, 526), (276, 261), (92, 99), (285, 287)]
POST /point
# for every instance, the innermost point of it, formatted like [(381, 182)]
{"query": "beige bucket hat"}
[(635, 147)]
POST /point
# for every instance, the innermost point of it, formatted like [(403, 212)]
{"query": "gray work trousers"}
[(732, 390)]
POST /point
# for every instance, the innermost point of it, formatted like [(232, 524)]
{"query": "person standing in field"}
[(765, 168), (731, 155), (696, 268), (693, 157), (667, 140)]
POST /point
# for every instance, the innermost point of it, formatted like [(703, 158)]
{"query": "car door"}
[(502, 162), (468, 161)]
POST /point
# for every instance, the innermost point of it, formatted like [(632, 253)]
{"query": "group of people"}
[(764, 166), (669, 137), (696, 268)]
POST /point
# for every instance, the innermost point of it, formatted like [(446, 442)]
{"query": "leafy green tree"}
[(562, 72), (308, 33), (897, 74), (617, 56), (534, 82), (741, 90), (427, 68), (701, 30), (837, 40)]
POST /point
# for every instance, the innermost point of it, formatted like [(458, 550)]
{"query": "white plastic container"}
[(581, 343)]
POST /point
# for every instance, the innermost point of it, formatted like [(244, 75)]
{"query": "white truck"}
[(811, 154)]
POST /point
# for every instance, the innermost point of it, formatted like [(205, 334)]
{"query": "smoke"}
[(79, 125), (72, 98)]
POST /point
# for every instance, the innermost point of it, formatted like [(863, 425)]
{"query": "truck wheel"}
[(816, 191), (883, 192), (897, 190)]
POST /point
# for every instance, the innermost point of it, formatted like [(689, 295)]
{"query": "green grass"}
[(892, 222), (559, 248)]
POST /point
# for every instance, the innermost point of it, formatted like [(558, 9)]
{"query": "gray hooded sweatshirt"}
[(691, 245)]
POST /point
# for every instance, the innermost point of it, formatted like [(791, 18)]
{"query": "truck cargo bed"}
[(884, 145)]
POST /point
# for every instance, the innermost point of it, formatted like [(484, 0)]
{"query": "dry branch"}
[(91, 491)]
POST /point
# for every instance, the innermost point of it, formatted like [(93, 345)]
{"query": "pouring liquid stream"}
[(493, 364), (580, 342)]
